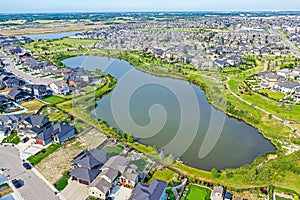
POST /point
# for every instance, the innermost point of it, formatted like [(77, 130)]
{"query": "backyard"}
[(33, 105), (197, 193), (53, 100)]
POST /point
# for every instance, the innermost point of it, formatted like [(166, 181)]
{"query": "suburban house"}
[(217, 193), (78, 78), (111, 170), (32, 125), (154, 191), (39, 91), (4, 102), (269, 79), (130, 177), (57, 133), (87, 165), (18, 95), (101, 186), (8, 123), (60, 87), (287, 87)]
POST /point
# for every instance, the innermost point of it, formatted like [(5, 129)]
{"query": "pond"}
[(51, 36), (175, 116)]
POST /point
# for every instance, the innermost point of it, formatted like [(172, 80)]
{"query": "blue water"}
[(51, 36)]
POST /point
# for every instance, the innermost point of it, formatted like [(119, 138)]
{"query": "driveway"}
[(75, 191), (34, 188)]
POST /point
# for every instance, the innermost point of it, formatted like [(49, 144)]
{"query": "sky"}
[(16, 6)]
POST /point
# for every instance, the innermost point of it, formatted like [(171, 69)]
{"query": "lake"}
[(51, 36), (175, 116)]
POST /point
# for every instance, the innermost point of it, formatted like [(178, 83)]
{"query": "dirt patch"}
[(93, 139), (53, 166)]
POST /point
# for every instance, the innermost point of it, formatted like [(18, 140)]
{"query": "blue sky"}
[(144, 5)]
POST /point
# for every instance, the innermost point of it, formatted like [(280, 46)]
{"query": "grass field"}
[(53, 100), (33, 105), (13, 138), (60, 44), (198, 193)]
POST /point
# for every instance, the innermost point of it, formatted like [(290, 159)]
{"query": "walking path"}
[(254, 106)]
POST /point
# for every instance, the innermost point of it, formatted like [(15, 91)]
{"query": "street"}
[(31, 79), (34, 188)]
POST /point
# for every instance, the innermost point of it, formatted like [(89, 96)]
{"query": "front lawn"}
[(63, 182), (13, 138), (53, 100), (33, 105), (198, 193), (43, 154)]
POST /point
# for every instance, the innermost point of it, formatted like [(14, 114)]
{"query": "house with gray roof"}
[(87, 165), (18, 95), (287, 87), (154, 191), (58, 133)]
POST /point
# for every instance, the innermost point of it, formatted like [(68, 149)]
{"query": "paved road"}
[(274, 116), (287, 42), (25, 76), (34, 188)]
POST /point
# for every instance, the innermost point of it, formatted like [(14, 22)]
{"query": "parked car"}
[(25, 139), (27, 165), (17, 183)]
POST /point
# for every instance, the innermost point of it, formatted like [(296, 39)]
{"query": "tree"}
[(215, 173), (130, 138), (270, 116)]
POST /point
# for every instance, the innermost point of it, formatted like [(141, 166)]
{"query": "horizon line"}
[(149, 11)]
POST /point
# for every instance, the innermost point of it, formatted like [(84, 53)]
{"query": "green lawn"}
[(79, 127), (53, 100), (34, 160), (165, 175), (198, 193), (274, 95), (13, 138), (141, 163), (113, 151), (63, 182)]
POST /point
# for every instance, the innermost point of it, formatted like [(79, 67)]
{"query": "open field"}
[(33, 105), (59, 44)]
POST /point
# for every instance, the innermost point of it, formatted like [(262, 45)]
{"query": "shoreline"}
[(190, 171)]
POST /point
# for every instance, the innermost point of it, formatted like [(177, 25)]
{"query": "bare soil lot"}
[(53, 166)]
